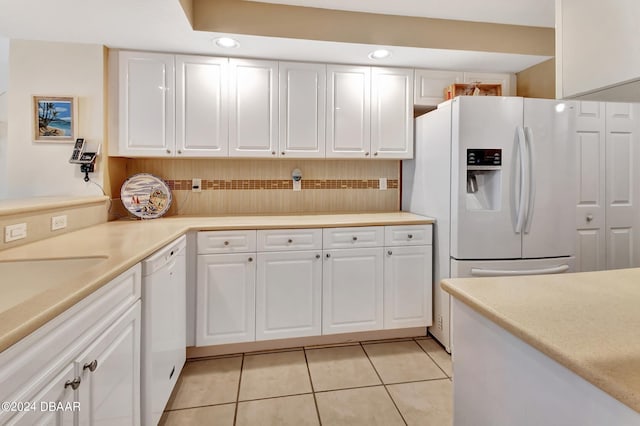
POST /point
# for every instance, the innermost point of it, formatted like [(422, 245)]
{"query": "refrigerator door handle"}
[(520, 211), (478, 272), (531, 178)]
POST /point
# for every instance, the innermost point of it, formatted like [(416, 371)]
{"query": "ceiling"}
[(160, 25)]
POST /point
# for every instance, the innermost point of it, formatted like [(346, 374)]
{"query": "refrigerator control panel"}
[(484, 157)]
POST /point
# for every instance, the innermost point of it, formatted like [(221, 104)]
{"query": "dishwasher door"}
[(163, 327)]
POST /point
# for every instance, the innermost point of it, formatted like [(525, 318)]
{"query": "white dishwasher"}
[(163, 327)]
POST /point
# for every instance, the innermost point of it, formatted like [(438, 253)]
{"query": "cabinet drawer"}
[(408, 235), (289, 239), (226, 241), (366, 236)]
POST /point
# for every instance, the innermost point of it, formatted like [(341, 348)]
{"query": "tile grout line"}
[(431, 358), (313, 391), (235, 413), (384, 385)]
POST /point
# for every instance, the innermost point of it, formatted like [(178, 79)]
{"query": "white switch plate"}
[(196, 184), (15, 232), (58, 222), (382, 184)]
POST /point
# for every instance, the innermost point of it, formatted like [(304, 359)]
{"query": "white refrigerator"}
[(498, 175)]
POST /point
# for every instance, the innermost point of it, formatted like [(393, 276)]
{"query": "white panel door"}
[(623, 158), (391, 113), (348, 111), (550, 219), (407, 287), (485, 122), (506, 80), (430, 85), (590, 191), (202, 124), (146, 97), (352, 293), (289, 294), (225, 310), (253, 111), (303, 89), (110, 373)]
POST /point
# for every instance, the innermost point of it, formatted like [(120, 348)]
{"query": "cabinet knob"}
[(410, 236), (389, 252), (366, 153), (589, 217), (251, 259), (168, 151), (328, 255), (317, 256), (282, 153), (91, 366), (375, 154), (355, 238), (73, 384), (179, 151), (289, 240), (273, 153), (226, 243)]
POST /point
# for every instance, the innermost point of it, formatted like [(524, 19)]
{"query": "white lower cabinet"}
[(83, 366), (225, 308), (352, 296), (288, 294), (407, 286)]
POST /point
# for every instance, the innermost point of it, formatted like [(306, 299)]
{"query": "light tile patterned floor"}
[(390, 382)]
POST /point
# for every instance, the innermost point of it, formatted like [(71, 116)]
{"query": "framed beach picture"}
[(55, 119)]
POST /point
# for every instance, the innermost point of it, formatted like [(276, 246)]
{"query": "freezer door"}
[(483, 208), (550, 220), (508, 268)]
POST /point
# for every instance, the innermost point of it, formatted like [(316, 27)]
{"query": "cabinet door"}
[(430, 85), (352, 297), (391, 113), (58, 393), (590, 208), (225, 311), (288, 294), (506, 80), (110, 373), (407, 287), (302, 109), (202, 125), (348, 111), (253, 113), (146, 82)]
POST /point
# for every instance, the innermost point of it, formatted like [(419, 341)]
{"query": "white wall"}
[(54, 69), (4, 111)]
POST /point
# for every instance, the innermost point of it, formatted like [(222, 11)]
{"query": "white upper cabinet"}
[(348, 111), (430, 85), (253, 112), (202, 123), (391, 113), (506, 80), (302, 109), (146, 104)]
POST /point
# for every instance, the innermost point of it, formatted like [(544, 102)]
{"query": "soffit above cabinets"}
[(162, 25)]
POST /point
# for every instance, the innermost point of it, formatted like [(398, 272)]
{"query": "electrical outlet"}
[(382, 184), (439, 322), (15, 232), (58, 222), (196, 184)]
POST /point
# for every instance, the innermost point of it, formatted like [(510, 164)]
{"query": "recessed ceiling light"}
[(226, 42), (379, 54)]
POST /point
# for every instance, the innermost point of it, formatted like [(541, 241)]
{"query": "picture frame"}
[(55, 119)]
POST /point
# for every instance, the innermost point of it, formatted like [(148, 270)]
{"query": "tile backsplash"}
[(238, 186)]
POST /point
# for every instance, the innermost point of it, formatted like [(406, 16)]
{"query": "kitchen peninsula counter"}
[(588, 323), (117, 246)]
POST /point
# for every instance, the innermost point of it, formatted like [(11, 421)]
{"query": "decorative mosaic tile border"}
[(240, 184)]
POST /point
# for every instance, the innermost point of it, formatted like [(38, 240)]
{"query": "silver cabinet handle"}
[(389, 252), (251, 259), (91, 366), (317, 256), (328, 255), (226, 243), (355, 238), (589, 217), (74, 384)]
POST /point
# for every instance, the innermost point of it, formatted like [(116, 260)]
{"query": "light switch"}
[(382, 184), (15, 232)]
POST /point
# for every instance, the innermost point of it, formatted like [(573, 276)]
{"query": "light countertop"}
[(587, 321), (34, 292)]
